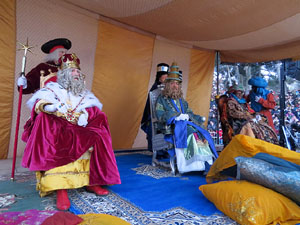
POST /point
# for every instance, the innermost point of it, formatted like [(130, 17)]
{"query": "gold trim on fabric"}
[(67, 115), (39, 106), (70, 176)]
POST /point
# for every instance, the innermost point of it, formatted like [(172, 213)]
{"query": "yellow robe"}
[(70, 176)]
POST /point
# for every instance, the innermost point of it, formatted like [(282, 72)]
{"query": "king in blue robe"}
[(193, 145)]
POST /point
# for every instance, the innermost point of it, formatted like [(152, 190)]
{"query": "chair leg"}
[(154, 157), (172, 164)]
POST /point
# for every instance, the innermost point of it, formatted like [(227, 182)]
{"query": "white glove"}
[(61, 107), (179, 117), (186, 116), (182, 117), (258, 118), (82, 120), (22, 81), (257, 98), (50, 108)]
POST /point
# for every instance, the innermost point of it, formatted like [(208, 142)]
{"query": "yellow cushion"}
[(101, 219), (249, 203), (242, 145)]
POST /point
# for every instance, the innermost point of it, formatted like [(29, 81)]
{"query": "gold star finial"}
[(25, 47)]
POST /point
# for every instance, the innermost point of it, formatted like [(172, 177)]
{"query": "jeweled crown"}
[(68, 61), (174, 73)]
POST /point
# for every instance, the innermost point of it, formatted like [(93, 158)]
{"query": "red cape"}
[(53, 141)]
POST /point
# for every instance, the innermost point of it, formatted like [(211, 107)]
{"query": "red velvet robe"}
[(53, 141), (33, 77), (268, 104)]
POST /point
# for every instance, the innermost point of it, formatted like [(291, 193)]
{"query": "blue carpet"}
[(147, 195), (151, 194)]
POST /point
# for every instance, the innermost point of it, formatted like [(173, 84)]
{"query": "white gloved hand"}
[(186, 117), (258, 118), (257, 98), (254, 120), (22, 81), (61, 107), (82, 120), (182, 117), (50, 108)]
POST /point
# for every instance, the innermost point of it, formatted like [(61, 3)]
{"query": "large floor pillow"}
[(101, 219), (242, 145), (285, 180), (249, 203)]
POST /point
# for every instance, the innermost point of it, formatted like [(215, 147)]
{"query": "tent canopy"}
[(243, 31), (120, 42)]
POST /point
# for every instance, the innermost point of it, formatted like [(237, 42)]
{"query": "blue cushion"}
[(276, 161), (285, 180)]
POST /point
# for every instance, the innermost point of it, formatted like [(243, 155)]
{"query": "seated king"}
[(68, 138), (194, 147)]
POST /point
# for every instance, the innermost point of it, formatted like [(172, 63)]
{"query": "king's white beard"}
[(76, 87)]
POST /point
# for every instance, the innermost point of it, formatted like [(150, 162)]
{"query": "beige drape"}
[(122, 70), (7, 68), (200, 81)]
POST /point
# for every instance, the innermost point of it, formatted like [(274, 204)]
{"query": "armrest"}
[(164, 128), (201, 121)]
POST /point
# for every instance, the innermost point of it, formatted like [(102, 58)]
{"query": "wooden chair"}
[(159, 130), (45, 79)]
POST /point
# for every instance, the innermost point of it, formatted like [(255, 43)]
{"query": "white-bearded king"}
[(68, 137)]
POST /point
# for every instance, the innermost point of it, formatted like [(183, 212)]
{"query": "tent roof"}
[(243, 31)]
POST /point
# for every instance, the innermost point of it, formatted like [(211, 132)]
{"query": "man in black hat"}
[(161, 75), (54, 49)]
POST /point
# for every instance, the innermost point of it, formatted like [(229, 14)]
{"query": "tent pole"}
[(218, 62), (282, 102)]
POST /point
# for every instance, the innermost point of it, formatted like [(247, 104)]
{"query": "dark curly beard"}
[(172, 93)]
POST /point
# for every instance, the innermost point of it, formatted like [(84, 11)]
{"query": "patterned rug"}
[(112, 204), (128, 208), (20, 196)]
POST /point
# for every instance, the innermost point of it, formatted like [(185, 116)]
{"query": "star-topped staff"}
[(26, 48)]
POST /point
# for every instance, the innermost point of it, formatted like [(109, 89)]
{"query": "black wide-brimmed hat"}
[(56, 43)]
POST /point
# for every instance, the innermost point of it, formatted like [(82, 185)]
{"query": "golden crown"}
[(174, 73), (68, 61)]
